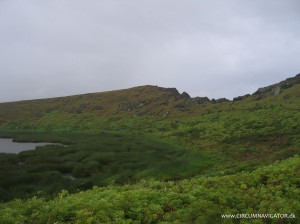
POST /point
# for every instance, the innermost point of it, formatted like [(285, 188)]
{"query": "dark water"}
[(8, 146)]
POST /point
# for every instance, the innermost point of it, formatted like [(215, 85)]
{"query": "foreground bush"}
[(270, 189)]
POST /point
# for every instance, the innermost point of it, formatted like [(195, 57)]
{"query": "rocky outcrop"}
[(278, 87), (276, 90), (241, 97), (170, 92), (294, 80), (131, 106), (220, 100), (185, 95), (201, 100), (125, 107)]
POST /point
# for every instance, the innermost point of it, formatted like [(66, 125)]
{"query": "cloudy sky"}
[(213, 48)]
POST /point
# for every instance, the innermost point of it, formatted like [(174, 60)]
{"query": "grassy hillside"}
[(146, 137), (261, 127)]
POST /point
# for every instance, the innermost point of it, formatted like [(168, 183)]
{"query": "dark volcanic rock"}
[(201, 100), (222, 100), (240, 97), (294, 80), (125, 107), (131, 106), (173, 92), (276, 88), (262, 90), (185, 95)]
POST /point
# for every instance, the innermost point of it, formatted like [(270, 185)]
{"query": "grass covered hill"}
[(154, 155), (248, 130), (137, 108)]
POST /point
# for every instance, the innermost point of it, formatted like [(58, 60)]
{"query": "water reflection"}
[(8, 146)]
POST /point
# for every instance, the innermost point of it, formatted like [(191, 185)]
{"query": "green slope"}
[(261, 127), (143, 133)]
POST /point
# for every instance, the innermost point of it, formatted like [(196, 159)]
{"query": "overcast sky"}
[(213, 48)]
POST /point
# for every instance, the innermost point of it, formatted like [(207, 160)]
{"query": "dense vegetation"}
[(271, 189), (156, 156), (89, 160)]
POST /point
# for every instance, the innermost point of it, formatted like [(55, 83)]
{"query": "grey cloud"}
[(207, 48)]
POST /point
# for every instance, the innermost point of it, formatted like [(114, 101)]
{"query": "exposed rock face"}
[(221, 100), (131, 106), (185, 95), (165, 114), (272, 90), (240, 97), (140, 105), (201, 100), (173, 92), (262, 90), (277, 88), (125, 107)]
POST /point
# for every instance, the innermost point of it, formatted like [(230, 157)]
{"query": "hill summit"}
[(142, 101)]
